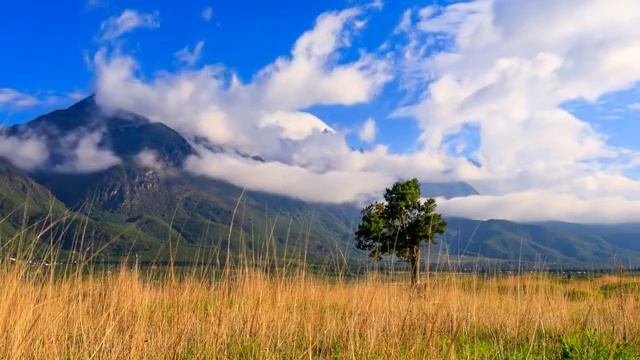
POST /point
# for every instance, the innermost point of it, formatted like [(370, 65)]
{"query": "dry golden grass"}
[(127, 315)]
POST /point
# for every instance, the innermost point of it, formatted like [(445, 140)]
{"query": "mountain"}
[(153, 199), (135, 206), (28, 208), (124, 133), (543, 243), (21, 199), (447, 190)]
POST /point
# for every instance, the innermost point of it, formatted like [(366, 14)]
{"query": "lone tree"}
[(399, 225)]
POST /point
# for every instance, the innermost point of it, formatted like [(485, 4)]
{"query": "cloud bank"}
[(486, 82), (507, 68), (482, 65), (265, 117)]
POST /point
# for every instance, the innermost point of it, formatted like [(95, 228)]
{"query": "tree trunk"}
[(414, 262)]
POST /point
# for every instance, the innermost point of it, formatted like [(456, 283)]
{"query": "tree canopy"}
[(399, 225)]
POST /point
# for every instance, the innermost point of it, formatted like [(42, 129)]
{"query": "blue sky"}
[(50, 46), (47, 54), (544, 97)]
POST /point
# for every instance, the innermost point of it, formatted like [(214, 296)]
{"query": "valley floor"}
[(245, 313)]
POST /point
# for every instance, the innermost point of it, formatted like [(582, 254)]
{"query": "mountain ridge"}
[(153, 201)]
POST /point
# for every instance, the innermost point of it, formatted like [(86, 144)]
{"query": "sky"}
[(535, 104)]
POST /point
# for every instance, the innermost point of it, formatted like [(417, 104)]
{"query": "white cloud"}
[(377, 4), (148, 159), (368, 131), (190, 58), (331, 187), (83, 154), (507, 67), (129, 20), (206, 13), (76, 95), (295, 125), (97, 3), (503, 67), (27, 153), (634, 107), (13, 98), (265, 116), (80, 151), (525, 207), (311, 76), (253, 118), (405, 24)]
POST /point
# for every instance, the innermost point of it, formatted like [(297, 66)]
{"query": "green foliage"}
[(563, 243), (624, 287), (577, 295), (590, 345), (400, 224)]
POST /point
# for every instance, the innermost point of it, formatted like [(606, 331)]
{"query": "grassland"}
[(266, 306), (86, 312)]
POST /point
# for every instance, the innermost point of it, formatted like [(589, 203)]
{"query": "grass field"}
[(259, 306), (247, 313)]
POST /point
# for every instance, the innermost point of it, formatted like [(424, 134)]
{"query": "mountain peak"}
[(447, 190), (123, 133)]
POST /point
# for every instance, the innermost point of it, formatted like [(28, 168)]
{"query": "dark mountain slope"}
[(142, 206), (22, 199), (163, 196), (124, 133), (30, 209), (567, 244), (447, 190)]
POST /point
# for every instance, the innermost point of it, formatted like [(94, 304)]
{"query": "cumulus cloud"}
[(507, 67), (310, 75), (129, 20), (206, 13), (266, 116), (504, 68), (212, 102), (190, 58), (368, 131)]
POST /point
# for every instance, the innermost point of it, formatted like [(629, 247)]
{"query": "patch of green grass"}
[(590, 345), (625, 287)]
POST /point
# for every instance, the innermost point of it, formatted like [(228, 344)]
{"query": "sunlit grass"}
[(249, 314), (260, 306)]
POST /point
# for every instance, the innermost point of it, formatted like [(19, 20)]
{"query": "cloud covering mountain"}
[(487, 84)]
